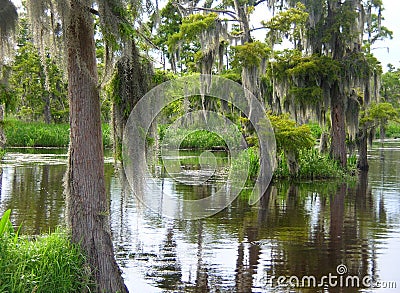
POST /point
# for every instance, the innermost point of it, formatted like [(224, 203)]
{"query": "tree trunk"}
[(46, 110), (243, 21), (87, 204), (292, 163), (323, 143), (382, 130), (338, 129), (362, 160)]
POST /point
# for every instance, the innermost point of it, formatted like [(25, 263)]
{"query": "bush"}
[(392, 130), (49, 263), (315, 130)]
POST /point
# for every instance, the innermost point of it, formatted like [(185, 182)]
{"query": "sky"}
[(387, 51)]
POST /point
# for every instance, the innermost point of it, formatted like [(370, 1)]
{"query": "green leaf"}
[(4, 222)]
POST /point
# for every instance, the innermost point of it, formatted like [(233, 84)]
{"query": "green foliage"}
[(315, 130), (49, 263), (313, 165), (232, 75), (199, 139), (192, 26), (5, 223), (2, 153), (161, 76), (304, 75), (378, 113), (254, 162), (248, 156), (170, 20), (290, 136), (307, 95), (39, 134), (36, 134), (250, 54), (35, 83), (390, 86), (393, 130), (290, 23)]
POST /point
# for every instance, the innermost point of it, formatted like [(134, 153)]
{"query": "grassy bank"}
[(38, 134), (48, 263), (199, 139)]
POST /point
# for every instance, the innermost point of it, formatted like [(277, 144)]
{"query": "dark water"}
[(310, 229)]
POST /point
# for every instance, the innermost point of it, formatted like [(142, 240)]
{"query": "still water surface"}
[(305, 229)]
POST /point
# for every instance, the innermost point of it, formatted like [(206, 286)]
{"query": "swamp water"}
[(301, 232)]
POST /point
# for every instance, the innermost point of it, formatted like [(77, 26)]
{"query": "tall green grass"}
[(199, 139), (39, 134), (313, 165), (48, 263)]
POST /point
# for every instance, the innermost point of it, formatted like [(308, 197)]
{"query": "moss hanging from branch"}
[(252, 59), (304, 82), (8, 22), (130, 82)]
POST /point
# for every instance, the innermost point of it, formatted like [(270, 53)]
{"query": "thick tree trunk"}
[(362, 160), (87, 204), (338, 129), (292, 163)]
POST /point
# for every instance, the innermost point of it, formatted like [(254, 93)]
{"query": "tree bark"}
[(292, 163), (338, 129), (324, 141), (87, 204), (46, 110), (362, 160)]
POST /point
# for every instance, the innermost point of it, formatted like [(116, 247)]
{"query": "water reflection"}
[(305, 229), (34, 193)]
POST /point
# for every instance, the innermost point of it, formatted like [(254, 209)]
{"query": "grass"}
[(313, 165), (39, 134), (48, 263), (195, 140)]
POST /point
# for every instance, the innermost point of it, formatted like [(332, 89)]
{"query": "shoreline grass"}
[(39, 134), (46, 263)]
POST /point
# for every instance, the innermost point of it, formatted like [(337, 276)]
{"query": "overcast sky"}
[(392, 21), (387, 51)]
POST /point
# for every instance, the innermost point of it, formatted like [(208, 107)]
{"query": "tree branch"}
[(94, 11), (228, 12), (258, 28)]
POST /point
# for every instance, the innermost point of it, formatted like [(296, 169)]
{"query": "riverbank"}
[(39, 134), (312, 165)]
